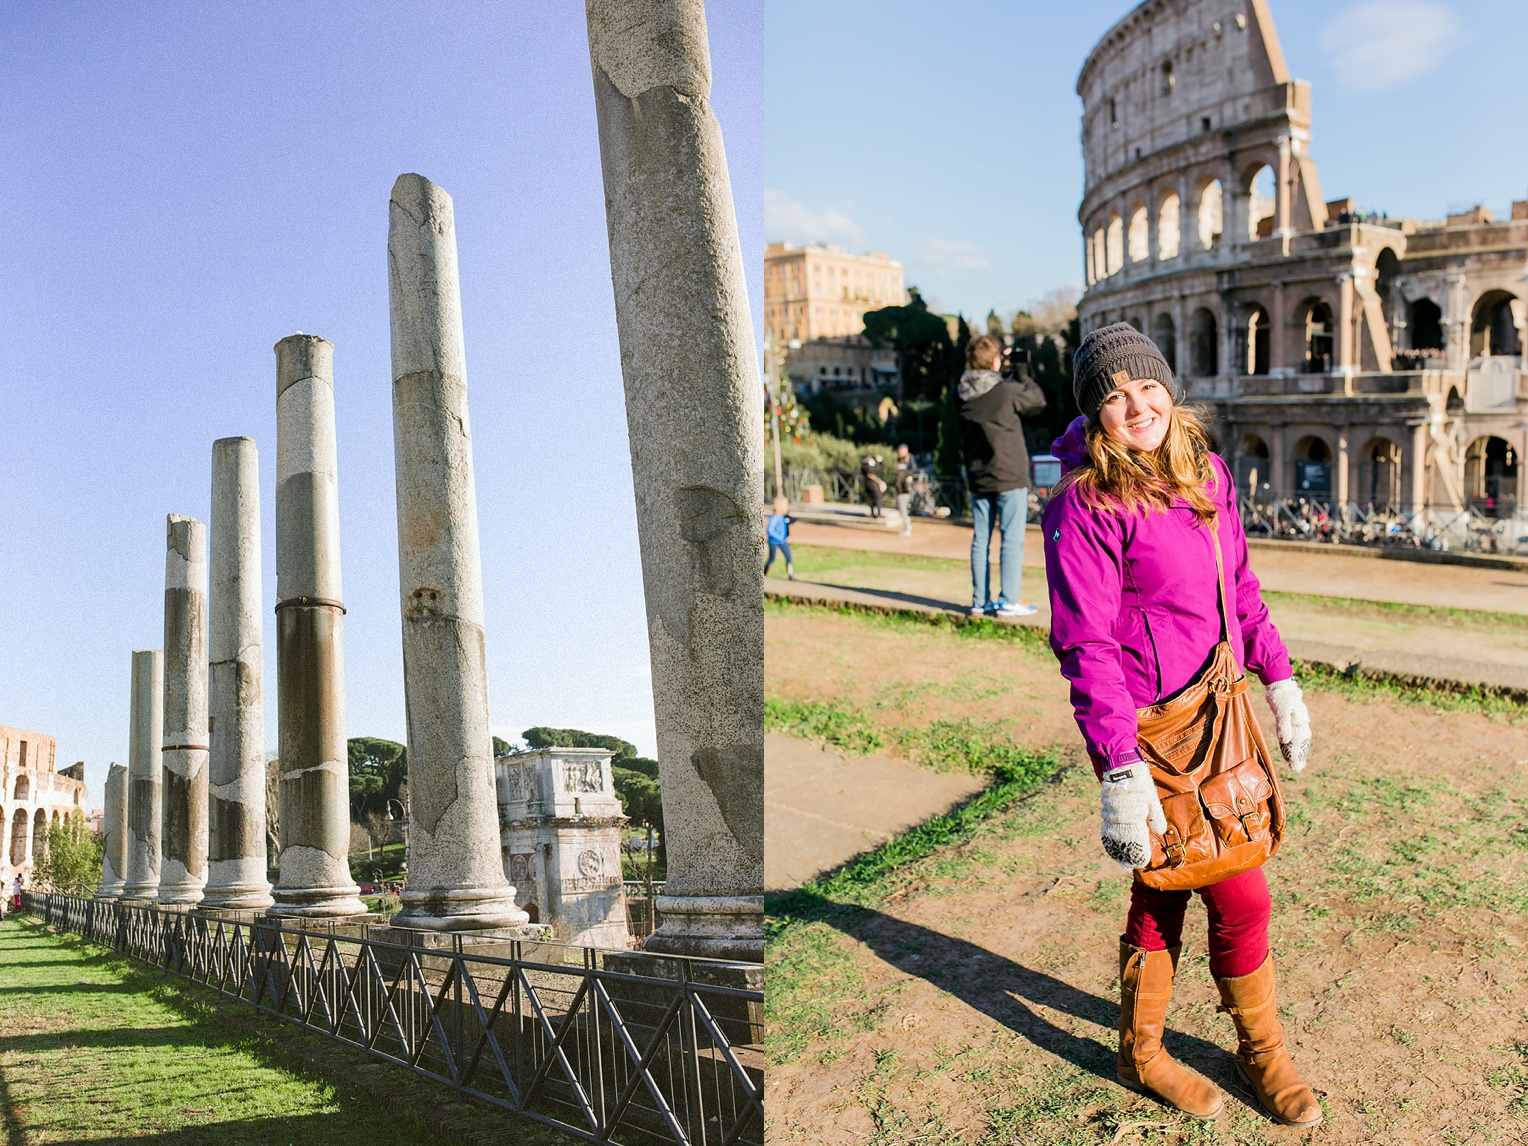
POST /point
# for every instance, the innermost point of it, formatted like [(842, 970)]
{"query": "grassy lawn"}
[(96, 1048), (959, 984)]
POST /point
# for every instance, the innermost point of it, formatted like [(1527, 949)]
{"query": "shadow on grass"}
[(97, 1038), (293, 1130), (1000, 988)]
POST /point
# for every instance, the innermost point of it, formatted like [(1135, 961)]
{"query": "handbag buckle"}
[(1173, 847)]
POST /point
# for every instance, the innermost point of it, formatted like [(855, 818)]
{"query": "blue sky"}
[(947, 134), (188, 184)]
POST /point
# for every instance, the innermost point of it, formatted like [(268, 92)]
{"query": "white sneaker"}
[(1016, 609)]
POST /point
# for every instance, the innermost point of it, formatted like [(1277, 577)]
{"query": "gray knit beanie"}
[(1111, 355)]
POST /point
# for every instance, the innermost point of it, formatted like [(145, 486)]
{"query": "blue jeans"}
[(1009, 511), (782, 547)]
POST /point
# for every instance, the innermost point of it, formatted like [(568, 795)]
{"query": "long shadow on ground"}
[(1000, 988)]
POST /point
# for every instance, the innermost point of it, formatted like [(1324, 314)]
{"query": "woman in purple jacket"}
[(1134, 619)]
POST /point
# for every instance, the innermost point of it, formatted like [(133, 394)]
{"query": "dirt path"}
[(977, 1004), (1287, 570)]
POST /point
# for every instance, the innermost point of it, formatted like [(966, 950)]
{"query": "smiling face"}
[(1137, 413)]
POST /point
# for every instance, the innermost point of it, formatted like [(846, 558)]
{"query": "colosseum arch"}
[(19, 838), (1376, 474), (1256, 340), (1490, 476), (23, 787), (1260, 194), (1253, 465), (1099, 270), (1165, 335), (1424, 325), (39, 830), (1114, 245), (1494, 324), (1211, 214), (1169, 226), (1139, 238), (1203, 344), (1313, 319), (1312, 457)]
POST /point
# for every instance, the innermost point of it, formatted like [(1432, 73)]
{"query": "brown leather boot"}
[(1145, 985), (1260, 1055)]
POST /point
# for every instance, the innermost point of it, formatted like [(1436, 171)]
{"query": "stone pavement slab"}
[(822, 809)]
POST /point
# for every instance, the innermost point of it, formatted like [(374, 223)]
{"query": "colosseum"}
[(33, 794), (1368, 364)]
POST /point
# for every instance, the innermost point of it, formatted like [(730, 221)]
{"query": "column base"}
[(316, 902), (109, 892), (246, 897), (459, 909), (727, 927), (139, 895)]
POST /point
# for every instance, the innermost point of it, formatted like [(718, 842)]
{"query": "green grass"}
[(95, 1050), (822, 724), (1474, 618)]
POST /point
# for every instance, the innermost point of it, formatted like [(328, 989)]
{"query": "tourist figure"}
[(991, 410), (16, 895), (906, 468), (875, 484), (778, 531), (1135, 617)]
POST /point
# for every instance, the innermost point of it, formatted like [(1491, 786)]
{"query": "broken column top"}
[(641, 44), (300, 356), (422, 279), (185, 559)]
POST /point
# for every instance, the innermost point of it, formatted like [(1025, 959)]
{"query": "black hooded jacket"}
[(991, 410)]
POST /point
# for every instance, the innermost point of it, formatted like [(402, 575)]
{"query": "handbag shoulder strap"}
[(1220, 577)]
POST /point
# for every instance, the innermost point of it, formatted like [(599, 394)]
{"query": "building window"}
[(1169, 81)]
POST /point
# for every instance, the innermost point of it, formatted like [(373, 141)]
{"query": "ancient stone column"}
[(693, 408), (114, 828), (310, 649), (456, 870), (236, 858), (145, 745), (183, 835)]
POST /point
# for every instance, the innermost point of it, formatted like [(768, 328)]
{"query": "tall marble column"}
[(114, 829), (456, 869), (144, 776), (693, 408), (310, 651), (183, 838), (236, 859)]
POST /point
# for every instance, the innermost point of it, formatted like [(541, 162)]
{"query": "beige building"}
[(1368, 361), (33, 794), (816, 291), (840, 364)]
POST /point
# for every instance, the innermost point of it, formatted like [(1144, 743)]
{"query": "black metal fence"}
[(615, 1047)]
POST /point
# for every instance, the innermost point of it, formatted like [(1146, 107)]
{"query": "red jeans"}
[(1238, 907)]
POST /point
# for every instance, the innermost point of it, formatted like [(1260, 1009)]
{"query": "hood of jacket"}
[(1071, 448), (975, 383)]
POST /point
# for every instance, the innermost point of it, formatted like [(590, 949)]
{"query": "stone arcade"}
[(1370, 362)]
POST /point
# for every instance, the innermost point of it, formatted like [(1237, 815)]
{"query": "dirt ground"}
[(978, 1003)]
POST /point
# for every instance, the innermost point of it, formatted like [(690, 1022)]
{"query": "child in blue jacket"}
[(779, 534)]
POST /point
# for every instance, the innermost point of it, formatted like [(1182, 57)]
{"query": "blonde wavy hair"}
[(1116, 477)]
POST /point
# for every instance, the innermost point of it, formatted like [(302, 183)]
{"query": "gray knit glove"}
[(1130, 804), (1291, 721)]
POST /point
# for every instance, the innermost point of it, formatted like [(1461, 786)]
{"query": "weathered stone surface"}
[(561, 838), (456, 880), (114, 829), (183, 835), (314, 877), (693, 408), (144, 776), (236, 857)]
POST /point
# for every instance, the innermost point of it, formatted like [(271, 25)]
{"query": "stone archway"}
[(1165, 335), (23, 787), (39, 832), (1254, 472), (1490, 477), (1203, 344), (1255, 343), (1169, 226), (1260, 192), (1424, 325), (1211, 215), (1377, 474), (19, 838), (1313, 468), (1315, 321), (1494, 325)]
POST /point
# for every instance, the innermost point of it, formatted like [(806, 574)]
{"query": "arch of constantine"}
[(33, 795), (1364, 361)]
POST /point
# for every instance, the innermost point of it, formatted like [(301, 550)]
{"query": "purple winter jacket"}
[(1133, 605)]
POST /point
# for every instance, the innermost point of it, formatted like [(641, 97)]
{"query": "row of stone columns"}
[(693, 410)]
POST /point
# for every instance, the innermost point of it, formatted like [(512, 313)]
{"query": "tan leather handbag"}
[(1214, 774)]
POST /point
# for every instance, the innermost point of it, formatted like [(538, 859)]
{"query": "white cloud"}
[(792, 222), (945, 255), (1383, 43)]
